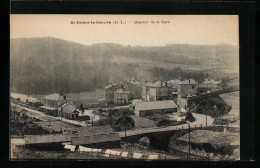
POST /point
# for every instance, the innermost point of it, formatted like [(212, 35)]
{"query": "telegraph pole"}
[(125, 124), (189, 141)]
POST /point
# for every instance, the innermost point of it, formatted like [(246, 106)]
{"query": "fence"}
[(113, 154)]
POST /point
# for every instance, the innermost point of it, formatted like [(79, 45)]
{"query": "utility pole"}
[(125, 124), (189, 141)]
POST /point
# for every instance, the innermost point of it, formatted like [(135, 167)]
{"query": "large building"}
[(121, 96), (157, 91), (187, 87), (53, 103), (135, 89), (155, 107), (109, 93)]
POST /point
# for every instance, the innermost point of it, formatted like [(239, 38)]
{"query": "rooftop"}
[(166, 104), (189, 81), (54, 96), (121, 90), (48, 108), (175, 81), (68, 109)]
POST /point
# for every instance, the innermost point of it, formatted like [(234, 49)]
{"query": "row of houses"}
[(156, 97), (151, 91)]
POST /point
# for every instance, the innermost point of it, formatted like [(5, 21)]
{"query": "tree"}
[(189, 117), (81, 108)]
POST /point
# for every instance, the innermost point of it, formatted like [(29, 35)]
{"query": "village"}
[(152, 120)]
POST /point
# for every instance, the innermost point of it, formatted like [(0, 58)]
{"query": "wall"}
[(121, 98), (185, 89), (143, 113)]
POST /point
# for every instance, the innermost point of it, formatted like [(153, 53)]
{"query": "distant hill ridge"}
[(42, 65)]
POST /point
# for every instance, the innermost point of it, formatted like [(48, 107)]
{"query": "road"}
[(200, 121)]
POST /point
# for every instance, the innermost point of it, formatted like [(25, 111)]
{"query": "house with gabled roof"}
[(159, 90), (69, 111), (52, 104)]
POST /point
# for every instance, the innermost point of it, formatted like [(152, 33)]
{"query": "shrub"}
[(189, 117)]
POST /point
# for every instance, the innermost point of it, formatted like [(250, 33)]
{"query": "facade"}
[(135, 89), (187, 87), (157, 91), (121, 96), (174, 84), (109, 93), (156, 107), (69, 111), (53, 103)]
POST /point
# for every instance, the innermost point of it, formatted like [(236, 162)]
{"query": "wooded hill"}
[(43, 65)]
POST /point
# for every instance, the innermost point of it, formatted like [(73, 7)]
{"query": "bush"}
[(189, 117), (163, 122)]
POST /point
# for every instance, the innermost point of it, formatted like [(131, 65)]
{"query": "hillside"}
[(43, 65)]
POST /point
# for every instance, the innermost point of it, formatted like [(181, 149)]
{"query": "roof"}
[(48, 108), (54, 96), (142, 122), (121, 90), (166, 104), (49, 138), (189, 81), (68, 109), (155, 84), (175, 81), (109, 86)]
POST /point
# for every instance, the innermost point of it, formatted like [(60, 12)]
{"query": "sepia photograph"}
[(131, 87)]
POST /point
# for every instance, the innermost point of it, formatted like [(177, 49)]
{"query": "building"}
[(174, 84), (155, 107), (18, 112), (109, 93), (135, 89), (69, 111), (157, 91), (187, 87), (52, 104), (121, 96), (101, 137)]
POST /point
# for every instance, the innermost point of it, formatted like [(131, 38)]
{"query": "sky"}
[(158, 30)]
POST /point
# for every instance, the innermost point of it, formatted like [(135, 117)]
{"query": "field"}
[(233, 100)]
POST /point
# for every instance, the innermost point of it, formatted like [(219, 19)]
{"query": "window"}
[(193, 87)]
